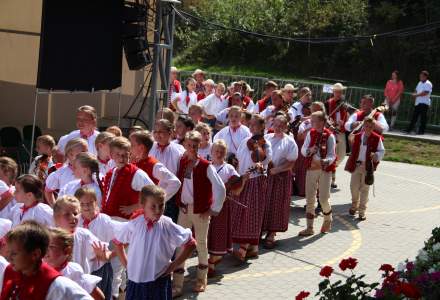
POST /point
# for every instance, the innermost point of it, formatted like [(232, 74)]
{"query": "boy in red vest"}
[(123, 183), (141, 143), (367, 150), (201, 195), (261, 105), (319, 150), (27, 276)]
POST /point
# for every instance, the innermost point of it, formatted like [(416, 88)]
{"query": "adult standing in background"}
[(199, 76), (393, 91), (175, 86), (422, 102)]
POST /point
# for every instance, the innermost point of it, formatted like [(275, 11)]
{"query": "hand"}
[(374, 157), (205, 215), (414, 95), (100, 250), (313, 150), (128, 209), (355, 124), (273, 171)]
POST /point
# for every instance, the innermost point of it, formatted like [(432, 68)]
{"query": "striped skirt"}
[(160, 289), (248, 213), (300, 173), (219, 235), (106, 273), (279, 189)]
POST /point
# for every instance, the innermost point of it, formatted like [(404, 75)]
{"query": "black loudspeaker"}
[(80, 45)]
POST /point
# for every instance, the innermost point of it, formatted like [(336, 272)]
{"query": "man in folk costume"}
[(338, 115), (199, 76), (366, 107), (366, 152), (261, 105), (319, 149)]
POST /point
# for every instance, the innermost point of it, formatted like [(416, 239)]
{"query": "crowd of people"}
[(99, 213)]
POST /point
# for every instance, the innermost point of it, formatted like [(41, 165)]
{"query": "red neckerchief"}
[(62, 266), (234, 129), (187, 99), (102, 161), (25, 208), (86, 222), (162, 147), (82, 183), (150, 223)]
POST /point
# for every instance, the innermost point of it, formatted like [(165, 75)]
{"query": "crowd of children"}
[(100, 213)]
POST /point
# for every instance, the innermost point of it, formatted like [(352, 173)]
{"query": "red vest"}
[(201, 184), (332, 104), (372, 144), (35, 287), (314, 135), (121, 193), (262, 104), (201, 96), (147, 165)]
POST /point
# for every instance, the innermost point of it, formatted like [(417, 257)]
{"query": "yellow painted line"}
[(354, 246)]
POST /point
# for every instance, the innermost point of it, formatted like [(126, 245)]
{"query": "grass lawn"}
[(412, 152)]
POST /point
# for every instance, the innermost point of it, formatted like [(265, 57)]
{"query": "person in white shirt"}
[(296, 110), (270, 111), (366, 108), (186, 98), (102, 144), (45, 145), (422, 98), (222, 118), (5, 227), (214, 103), (8, 173), (205, 145), (86, 121), (183, 125)]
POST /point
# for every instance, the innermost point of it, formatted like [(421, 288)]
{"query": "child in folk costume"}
[(175, 87), (167, 114), (248, 212), (184, 124), (220, 227), (279, 189), (205, 145), (58, 179), (201, 195), (235, 132), (27, 276), (123, 183), (261, 105), (366, 107), (208, 89), (169, 154), (319, 149), (29, 194), (214, 103), (269, 112), (58, 256), (141, 143), (5, 227), (183, 101), (195, 112), (157, 236), (366, 152), (8, 173), (43, 162), (222, 118), (102, 144), (86, 171), (103, 227)]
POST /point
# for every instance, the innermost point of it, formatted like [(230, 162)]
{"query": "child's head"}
[(269, 87), (256, 125), (152, 199), (74, 147), (8, 170), (85, 165), (192, 143), (88, 202), (218, 151), (190, 84), (209, 86), (246, 118), (66, 212), (234, 116), (115, 130), (120, 151), (369, 124), (135, 128), (60, 247), (27, 245), (167, 114), (317, 106), (183, 125), (86, 118), (141, 143), (45, 145), (28, 189), (318, 119), (205, 131), (195, 112), (102, 144), (277, 98), (163, 130), (220, 89), (280, 124)]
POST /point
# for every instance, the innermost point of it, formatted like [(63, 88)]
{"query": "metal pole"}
[(119, 107), (33, 127)]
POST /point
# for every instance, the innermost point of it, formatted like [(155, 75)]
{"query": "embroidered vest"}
[(35, 287), (121, 193), (372, 144), (147, 165), (201, 184), (314, 136)]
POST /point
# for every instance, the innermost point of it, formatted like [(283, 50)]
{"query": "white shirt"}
[(167, 180), (233, 138), (331, 149), (245, 161), (304, 126), (5, 226), (103, 227), (42, 213), (66, 289), (76, 134), (284, 149), (218, 189), (74, 185), (268, 114), (222, 116), (295, 110), (105, 167), (83, 253), (75, 272), (150, 251), (170, 156), (58, 179), (181, 101), (363, 149), (205, 152), (213, 104), (7, 191), (424, 87), (380, 120), (225, 171)]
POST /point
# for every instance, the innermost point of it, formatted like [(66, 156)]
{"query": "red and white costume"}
[(40, 212), (185, 100), (233, 137), (168, 155), (74, 185), (7, 192), (77, 134), (75, 272), (58, 179), (212, 104), (360, 116)]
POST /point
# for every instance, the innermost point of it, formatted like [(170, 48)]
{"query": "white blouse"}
[(167, 180), (103, 227), (83, 252), (181, 101), (245, 161), (42, 213), (75, 272), (58, 179), (170, 156), (76, 134), (233, 138), (74, 185), (213, 104), (225, 171), (284, 149), (205, 152), (7, 191)]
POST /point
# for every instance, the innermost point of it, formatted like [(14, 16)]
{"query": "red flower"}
[(326, 271), (410, 290), (386, 268), (349, 263), (302, 295)]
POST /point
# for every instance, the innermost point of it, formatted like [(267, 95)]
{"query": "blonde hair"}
[(220, 144), (143, 137), (63, 202), (320, 104), (196, 107), (115, 130), (222, 86), (167, 114), (87, 160), (90, 110), (9, 167), (235, 108), (153, 191), (47, 140), (194, 136), (104, 137), (75, 143), (81, 192), (120, 142), (65, 237), (203, 126), (320, 115)]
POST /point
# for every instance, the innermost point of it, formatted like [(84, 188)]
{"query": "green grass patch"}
[(412, 152)]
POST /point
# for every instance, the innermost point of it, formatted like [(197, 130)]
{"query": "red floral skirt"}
[(219, 234)]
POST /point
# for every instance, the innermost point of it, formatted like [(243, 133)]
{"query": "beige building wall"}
[(19, 50)]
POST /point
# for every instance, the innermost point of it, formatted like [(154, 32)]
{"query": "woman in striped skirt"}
[(284, 154)]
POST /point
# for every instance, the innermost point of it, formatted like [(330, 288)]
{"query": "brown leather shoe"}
[(352, 211)]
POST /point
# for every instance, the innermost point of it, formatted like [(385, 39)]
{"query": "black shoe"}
[(334, 186), (362, 218)]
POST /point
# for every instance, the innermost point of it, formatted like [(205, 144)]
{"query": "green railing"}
[(353, 95)]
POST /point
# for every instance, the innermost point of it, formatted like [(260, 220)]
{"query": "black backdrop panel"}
[(80, 45)]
